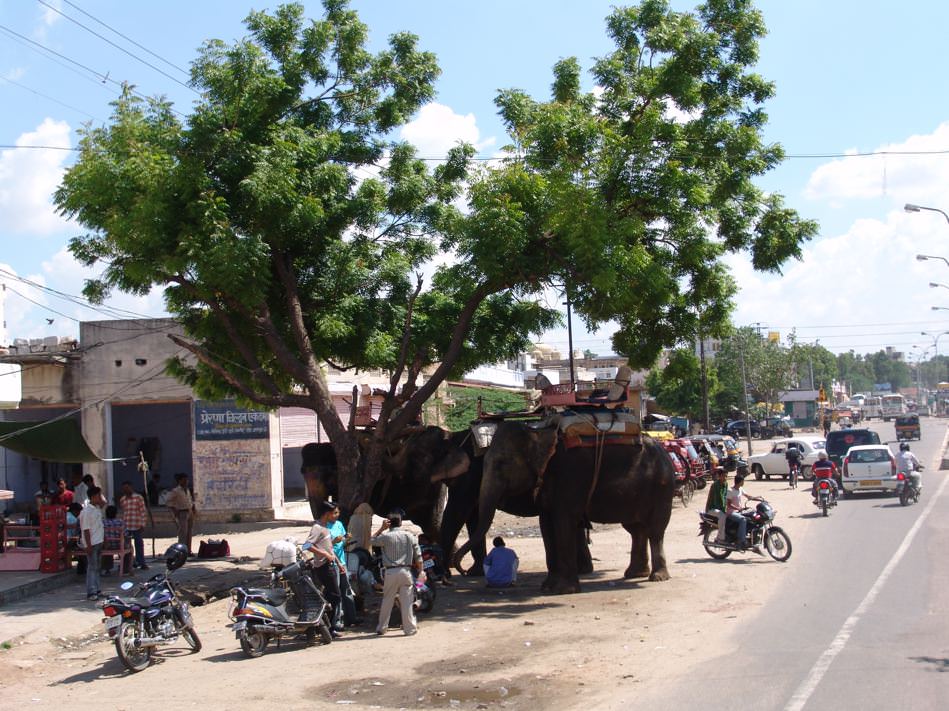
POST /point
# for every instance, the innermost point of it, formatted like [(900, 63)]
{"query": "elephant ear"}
[(542, 444), (453, 465)]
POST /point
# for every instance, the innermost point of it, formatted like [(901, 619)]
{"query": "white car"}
[(869, 467), (774, 462)]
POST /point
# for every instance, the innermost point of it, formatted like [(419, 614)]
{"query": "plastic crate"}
[(52, 565), (52, 514)]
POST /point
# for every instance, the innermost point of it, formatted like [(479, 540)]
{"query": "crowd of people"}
[(95, 528)]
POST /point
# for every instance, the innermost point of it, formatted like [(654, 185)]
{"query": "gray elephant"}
[(630, 483)]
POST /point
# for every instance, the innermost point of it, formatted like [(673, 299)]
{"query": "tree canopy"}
[(289, 230)]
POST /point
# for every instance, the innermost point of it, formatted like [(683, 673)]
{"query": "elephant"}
[(630, 483)]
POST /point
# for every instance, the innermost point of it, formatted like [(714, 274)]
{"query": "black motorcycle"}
[(761, 532), (423, 592), (262, 614), (826, 496), (906, 489), (154, 616)]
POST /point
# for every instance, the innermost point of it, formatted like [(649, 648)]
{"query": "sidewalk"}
[(32, 603)]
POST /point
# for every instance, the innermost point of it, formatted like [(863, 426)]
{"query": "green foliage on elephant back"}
[(464, 404)]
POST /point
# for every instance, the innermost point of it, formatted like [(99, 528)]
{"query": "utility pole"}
[(744, 389), (706, 424), (573, 378)]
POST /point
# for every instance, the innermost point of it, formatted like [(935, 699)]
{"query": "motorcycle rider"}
[(735, 503), (823, 468), (910, 466)]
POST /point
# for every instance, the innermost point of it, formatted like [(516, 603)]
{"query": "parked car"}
[(739, 429), (839, 441), (776, 427), (774, 462), (869, 467)]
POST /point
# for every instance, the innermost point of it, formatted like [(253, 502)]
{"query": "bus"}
[(872, 407), (892, 406)]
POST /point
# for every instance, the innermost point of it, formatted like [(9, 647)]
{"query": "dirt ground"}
[(479, 648)]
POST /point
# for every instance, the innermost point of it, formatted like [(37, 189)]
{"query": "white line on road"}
[(803, 692)]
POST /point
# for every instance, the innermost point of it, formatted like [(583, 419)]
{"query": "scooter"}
[(261, 614), (826, 496), (906, 489)]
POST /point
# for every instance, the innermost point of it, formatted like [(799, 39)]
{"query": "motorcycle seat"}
[(277, 596)]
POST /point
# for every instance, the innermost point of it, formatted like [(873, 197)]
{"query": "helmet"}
[(175, 556), (904, 446)]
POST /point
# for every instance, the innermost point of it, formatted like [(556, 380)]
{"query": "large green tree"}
[(289, 232), (746, 362), (678, 387)]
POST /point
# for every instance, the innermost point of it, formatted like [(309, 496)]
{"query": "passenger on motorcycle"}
[(735, 503), (823, 469), (716, 501), (910, 466)]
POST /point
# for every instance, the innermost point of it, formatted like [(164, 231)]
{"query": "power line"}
[(127, 39), (50, 98), (118, 47)]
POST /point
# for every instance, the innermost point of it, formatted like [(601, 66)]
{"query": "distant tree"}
[(889, 370), (588, 354), (677, 388), (464, 407), (767, 368), (856, 371)]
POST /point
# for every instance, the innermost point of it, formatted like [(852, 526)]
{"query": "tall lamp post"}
[(935, 337), (910, 207), (924, 257)]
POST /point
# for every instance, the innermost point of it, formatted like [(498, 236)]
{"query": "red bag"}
[(214, 549)]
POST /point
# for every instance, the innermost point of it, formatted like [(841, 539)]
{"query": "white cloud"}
[(28, 177), (49, 16), (437, 128), (919, 175)]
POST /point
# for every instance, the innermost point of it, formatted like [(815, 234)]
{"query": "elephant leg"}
[(657, 550), (478, 549), (563, 577), (547, 533), (584, 559), (638, 557)]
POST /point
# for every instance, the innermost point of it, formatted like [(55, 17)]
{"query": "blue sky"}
[(851, 77)]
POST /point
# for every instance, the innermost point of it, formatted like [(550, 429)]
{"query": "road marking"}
[(803, 692)]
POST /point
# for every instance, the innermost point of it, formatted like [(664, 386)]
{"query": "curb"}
[(51, 581)]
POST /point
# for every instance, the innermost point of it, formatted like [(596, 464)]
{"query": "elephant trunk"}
[(487, 506)]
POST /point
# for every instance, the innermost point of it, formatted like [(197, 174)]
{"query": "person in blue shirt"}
[(500, 565), (348, 603)]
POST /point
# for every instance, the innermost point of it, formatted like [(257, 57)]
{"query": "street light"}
[(933, 285), (939, 308), (935, 337), (910, 207), (924, 257)]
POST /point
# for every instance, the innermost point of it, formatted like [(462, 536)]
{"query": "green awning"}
[(53, 441)]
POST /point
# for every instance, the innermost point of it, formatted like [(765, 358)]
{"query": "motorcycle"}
[(154, 616), (906, 488), (434, 565), (261, 614), (826, 496), (423, 594), (761, 532)]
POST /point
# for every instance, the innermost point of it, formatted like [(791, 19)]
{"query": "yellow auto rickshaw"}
[(907, 427)]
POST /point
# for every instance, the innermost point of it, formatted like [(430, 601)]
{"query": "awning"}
[(52, 441)]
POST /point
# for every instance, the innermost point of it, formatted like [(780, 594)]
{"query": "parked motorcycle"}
[(154, 616), (262, 614), (906, 488), (423, 593), (761, 532), (433, 563), (826, 496)]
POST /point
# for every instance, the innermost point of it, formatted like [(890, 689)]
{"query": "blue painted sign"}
[(225, 420)]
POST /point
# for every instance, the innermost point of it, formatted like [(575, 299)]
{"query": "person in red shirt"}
[(132, 505), (63, 496), (823, 468)]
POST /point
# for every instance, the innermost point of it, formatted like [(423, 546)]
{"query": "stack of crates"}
[(52, 539)]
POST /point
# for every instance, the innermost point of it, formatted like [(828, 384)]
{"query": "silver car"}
[(869, 467)]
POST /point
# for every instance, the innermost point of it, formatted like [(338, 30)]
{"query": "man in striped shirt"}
[(133, 513), (400, 553)]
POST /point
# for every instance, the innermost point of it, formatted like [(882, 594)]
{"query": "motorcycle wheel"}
[(777, 543), (191, 637), (823, 508), (253, 642), (716, 553), (427, 601), (687, 490), (904, 496), (134, 658)]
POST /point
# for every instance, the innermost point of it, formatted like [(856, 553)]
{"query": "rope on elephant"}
[(597, 463)]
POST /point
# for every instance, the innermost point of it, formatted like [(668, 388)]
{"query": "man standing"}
[(62, 496), (181, 504), (133, 513), (347, 597), (92, 531), (500, 565), (81, 494), (400, 553), (716, 501), (326, 565)]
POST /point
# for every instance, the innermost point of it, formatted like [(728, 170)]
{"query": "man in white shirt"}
[(81, 494), (735, 503), (92, 535)]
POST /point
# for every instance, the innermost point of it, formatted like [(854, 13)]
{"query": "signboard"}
[(219, 420), (881, 387)]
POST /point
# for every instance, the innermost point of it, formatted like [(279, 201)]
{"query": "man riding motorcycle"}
[(823, 468), (910, 466)]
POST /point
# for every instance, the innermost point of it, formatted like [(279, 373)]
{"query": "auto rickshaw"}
[(907, 427)]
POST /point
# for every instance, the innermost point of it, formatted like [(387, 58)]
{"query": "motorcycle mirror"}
[(127, 585)]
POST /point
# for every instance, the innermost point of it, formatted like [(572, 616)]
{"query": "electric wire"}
[(118, 47), (50, 98)]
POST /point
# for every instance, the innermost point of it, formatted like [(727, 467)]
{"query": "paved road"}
[(863, 625)]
